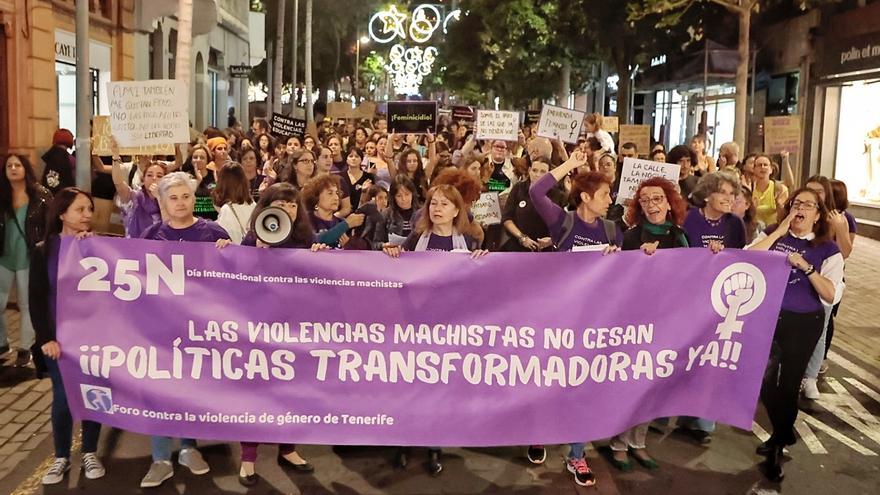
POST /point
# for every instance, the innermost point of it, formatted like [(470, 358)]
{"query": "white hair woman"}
[(177, 196)]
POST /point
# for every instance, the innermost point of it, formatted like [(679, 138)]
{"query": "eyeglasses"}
[(305, 160), (653, 200), (805, 205)]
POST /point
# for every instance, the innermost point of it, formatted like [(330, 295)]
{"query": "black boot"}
[(434, 466), (765, 448), (401, 458), (773, 465)]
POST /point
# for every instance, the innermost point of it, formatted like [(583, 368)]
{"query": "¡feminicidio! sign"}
[(412, 117), (417, 369)]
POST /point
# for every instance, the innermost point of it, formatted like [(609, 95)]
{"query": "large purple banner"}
[(430, 349)]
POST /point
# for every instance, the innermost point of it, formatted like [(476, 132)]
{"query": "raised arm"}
[(123, 189)]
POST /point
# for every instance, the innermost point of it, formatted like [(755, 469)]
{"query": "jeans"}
[(693, 423), (819, 353), (62, 422), (793, 344), (162, 447), (20, 278), (577, 450)]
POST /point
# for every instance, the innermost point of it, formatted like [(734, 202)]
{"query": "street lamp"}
[(357, 70)]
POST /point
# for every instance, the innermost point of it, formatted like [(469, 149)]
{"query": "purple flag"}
[(348, 347)]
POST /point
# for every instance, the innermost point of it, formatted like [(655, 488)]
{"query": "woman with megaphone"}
[(280, 221)]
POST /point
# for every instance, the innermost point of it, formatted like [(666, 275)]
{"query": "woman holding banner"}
[(399, 219), (815, 281), (526, 227), (655, 216), (177, 197), (70, 215), (321, 198)]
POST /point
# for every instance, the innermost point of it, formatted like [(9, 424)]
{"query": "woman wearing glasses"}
[(655, 216), (815, 280)]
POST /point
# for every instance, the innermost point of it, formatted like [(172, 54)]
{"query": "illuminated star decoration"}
[(393, 22)]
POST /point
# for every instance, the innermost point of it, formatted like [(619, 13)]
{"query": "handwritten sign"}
[(463, 113), (640, 135), (413, 117), (782, 134), (492, 124), (611, 124), (487, 210), (101, 133), (283, 126), (563, 123), (635, 171), (144, 113)]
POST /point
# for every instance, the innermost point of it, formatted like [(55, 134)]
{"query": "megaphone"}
[(272, 226)]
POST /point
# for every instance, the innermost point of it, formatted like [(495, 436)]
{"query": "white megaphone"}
[(272, 226)]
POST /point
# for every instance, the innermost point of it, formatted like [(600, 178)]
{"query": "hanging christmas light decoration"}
[(409, 65)]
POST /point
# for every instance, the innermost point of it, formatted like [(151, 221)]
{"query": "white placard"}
[(636, 170), (563, 123), (487, 210), (144, 113), (496, 124), (590, 248)]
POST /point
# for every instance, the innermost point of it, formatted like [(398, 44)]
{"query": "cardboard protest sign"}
[(487, 210), (283, 126), (563, 123), (611, 124), (640, 135), (412, 117), (492, 124), (532, 116), (635, 171), (144, 113), (782, 134), (344, 110), (101, 141)]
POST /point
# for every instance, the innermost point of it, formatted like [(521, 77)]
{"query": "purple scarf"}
[(143, 212)]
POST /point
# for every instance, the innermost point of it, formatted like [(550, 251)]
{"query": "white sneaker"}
[(56, 471), (811, 390), (93, 467), (158, 473), (193, 459)]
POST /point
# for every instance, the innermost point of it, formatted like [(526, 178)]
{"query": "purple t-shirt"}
[(800, 296), (201, 231), (582, 233), (320, 225), (851, 221), (729, 229)]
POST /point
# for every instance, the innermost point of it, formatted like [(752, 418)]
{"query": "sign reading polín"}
[(240, 71), (412, 117), (284, 127), (296, 366)]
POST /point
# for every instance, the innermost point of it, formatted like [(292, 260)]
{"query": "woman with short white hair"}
[(177, 196)]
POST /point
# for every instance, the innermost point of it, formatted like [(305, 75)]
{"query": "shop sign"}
[(852, 54)]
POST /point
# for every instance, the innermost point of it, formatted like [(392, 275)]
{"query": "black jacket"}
[(35, 220), (58, 173), (636, 236)]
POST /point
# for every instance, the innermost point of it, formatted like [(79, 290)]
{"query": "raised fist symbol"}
[(740, 286)]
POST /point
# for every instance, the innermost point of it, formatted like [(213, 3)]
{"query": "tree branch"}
[(636, 16), (734, 6)]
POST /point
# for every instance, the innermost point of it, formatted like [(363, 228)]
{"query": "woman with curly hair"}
[(321, 198), (656, 213)]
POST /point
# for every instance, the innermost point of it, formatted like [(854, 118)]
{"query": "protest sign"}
[(412, 117), (492, 124), (640, 135), (283, 127), (782, 134), (487, 209), (344, 110), (611, 124), (563, 123), (533, 116), (463, 113), (144, 113), (434, 364), (101, 133), (635, 171)]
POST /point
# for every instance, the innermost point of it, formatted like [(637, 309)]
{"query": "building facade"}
[(37, 71)]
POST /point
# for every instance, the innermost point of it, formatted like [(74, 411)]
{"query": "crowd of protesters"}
[(356, 186)]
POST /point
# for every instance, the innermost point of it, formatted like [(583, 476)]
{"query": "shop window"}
[(65, 78), (857, 162)]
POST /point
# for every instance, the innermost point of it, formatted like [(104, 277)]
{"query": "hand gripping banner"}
[(343, 347)]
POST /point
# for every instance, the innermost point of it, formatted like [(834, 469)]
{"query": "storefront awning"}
[(686, 70)]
